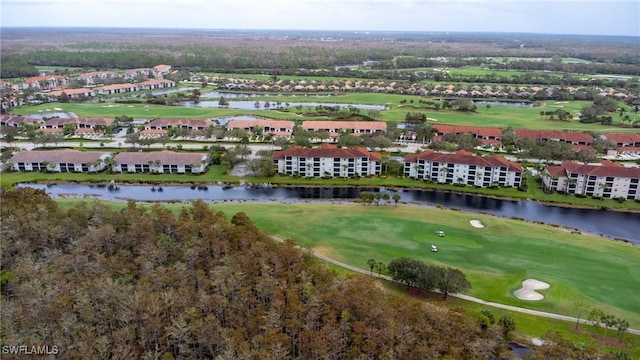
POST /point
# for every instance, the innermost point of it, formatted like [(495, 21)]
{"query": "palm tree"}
[(110, 162), (570, 182), (622, 326), (396, 198), (96, 165), (608, 321), (372, 264), (445, 170), (416, 167)]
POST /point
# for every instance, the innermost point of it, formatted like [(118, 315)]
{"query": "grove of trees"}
[(146, 282)]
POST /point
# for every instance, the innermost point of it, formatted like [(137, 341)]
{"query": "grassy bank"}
[(496, 258), (217, 173)]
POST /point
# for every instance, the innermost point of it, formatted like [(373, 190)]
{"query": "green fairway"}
[(496, 258), (496, 116)]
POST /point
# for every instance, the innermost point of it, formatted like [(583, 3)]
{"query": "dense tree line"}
[(15, 68), (417, 274), (143, 282)]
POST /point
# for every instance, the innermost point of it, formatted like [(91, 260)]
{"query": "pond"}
[(54, 114), (251, 105), (171, 91), (503, 103), (610, 224), (216, 94)]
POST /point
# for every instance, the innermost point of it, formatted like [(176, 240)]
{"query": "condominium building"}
[(463, 167), (607, 179), (327, 161)]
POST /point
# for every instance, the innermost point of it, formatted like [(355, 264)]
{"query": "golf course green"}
[(496, 259)]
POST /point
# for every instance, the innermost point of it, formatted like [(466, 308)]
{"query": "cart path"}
[(459, 296)]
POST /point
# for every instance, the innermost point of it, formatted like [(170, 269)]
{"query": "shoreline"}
[(242, 183)]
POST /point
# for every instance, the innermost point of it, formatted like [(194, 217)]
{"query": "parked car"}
[(440, 233), (434, 248)]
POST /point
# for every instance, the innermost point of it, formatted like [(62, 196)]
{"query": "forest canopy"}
[(143, 282)]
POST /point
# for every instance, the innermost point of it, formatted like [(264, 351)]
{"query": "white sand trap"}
[(57, 109), (432, 119), (528, 290), (476, 224)]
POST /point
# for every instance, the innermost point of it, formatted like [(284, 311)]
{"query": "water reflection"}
[(251, 105)]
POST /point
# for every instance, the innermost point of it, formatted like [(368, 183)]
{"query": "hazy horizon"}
[(560, 17)]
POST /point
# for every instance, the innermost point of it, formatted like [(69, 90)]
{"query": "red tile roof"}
[(568, 136), (57, 156), (245, 124), (327, 151), (556, 170), (623, 138), (356, 125), (606, 168), (190, 123), (13, 120), (463, 157), (477, 130)]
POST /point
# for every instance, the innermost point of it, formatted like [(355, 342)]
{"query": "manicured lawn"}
[(496, 116), (496, 259), (536, 326)]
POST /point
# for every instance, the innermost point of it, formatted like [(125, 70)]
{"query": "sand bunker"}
[(528, 290), (476, 224)]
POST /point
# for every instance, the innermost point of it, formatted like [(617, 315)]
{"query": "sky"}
[(587, 17)]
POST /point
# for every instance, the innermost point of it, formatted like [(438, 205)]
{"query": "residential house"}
[(607, 179), (327, 161), (132, 73), (56, 124), (625, 143), (274, 127), (155, 84), (463, 167), (71, 94), (571, 137), (96, 77), (16, 121), (115, 89), (161, 70), (87, 125), (66, 160), (46, 82), (336, 128), (188, 124), (163, 162), (488, 135)]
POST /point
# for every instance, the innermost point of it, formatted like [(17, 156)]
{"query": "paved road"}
[(459, 296)]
